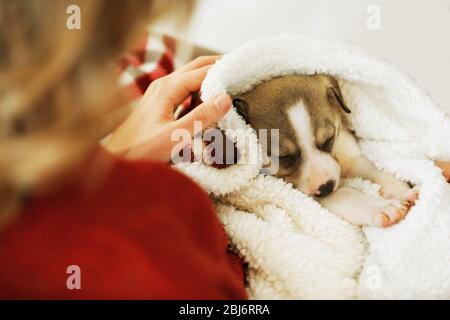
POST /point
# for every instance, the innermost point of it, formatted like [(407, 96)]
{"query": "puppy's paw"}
[(447, 175), (399, 190), (445, 166), (388, 212)]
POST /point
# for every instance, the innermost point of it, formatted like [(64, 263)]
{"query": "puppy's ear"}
[(241, 108), (334, 93)]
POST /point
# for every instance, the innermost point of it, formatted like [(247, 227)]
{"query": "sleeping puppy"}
[(316, 148)]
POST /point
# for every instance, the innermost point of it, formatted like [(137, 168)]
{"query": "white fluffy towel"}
[(295, 248)]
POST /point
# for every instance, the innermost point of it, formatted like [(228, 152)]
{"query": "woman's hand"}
[(146, 133)]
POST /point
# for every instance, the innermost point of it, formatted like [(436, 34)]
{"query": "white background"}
[(414, 34)]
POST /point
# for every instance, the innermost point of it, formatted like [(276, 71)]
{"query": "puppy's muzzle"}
[(325, 189)]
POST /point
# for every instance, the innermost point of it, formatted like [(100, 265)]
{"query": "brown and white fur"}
[(316, 148)]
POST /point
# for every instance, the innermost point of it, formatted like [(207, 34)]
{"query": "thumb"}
[(207, 113)]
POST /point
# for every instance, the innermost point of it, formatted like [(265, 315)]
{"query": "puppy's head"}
[(307, 110)]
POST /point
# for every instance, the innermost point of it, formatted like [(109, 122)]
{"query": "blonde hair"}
[(58, 87)]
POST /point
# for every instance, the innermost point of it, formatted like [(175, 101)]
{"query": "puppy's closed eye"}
[(327, 146), (289, 160), (241, 108)]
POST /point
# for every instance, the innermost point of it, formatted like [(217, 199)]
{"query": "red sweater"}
[(136, 230)]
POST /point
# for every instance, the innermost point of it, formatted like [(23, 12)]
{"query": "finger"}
[(205, 114), (191, 81), (198, 63), (177, 88)]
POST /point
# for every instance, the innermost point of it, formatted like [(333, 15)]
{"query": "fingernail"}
[(223, 102)]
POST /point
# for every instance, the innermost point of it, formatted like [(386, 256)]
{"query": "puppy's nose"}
[(325, 189)]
